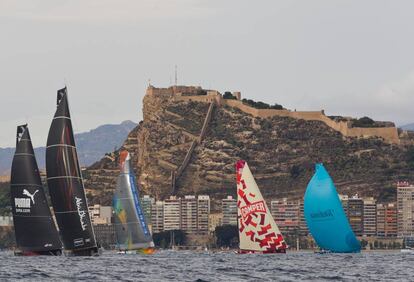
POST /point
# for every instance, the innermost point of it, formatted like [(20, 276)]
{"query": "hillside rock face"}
[(281, 152)]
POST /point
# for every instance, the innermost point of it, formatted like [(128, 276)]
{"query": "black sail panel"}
[(65, 181), (33, 223)]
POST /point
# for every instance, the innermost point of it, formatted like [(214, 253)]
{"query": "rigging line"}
[(63, 177), (26, 184)]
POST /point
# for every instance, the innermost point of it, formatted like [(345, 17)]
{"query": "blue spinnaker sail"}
[(325, 216)]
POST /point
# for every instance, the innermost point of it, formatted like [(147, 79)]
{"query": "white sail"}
[(258, 231), (131, 228)]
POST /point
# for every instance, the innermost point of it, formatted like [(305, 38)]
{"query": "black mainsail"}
[(35, 230), (66, 185)]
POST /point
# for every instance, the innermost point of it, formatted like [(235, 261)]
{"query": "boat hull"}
[(143, 251), (38, 253), (281, 251), (90, 252)]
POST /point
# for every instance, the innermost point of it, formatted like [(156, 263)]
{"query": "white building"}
[(189, 214), (286, 214), (100, 214), (370, 217), (215, 219), (229, 210), (146, 203), (157, 217), (203, 211), (405, 209), (172, 213)]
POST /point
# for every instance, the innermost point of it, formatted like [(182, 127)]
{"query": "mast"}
[(258, 231), (65, 183), (35, 230), (325, 215), (132, 231)]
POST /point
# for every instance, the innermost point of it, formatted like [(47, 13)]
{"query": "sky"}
[(351, 58)]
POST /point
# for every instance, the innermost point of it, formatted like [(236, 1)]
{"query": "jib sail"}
[(131, 228), (325, 216), (258, 231), (35, 229)]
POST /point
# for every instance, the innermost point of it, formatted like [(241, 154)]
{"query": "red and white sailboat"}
[(258, 231)]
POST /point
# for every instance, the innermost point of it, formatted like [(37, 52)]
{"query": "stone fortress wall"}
[(191, 93)]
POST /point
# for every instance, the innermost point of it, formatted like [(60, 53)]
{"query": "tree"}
[(364, 243), (364, 122), (227, 236), (228, 95), (163, 239), (295, 171)]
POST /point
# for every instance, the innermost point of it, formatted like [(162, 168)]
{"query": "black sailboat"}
[(66, 185), (35, 230)]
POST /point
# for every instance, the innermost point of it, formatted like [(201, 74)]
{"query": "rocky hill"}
[(189, 124)]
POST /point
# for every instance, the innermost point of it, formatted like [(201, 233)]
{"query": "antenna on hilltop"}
[(175, 75)]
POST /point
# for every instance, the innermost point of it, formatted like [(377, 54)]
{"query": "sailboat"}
[(325, 215), (258, 231), (65, 184), (132, 232), (35, 230)]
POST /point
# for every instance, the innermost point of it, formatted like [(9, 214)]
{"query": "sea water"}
[(204, 266)]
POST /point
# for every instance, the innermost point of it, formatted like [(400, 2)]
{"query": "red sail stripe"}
[(246, 200), (251, 234), (262, 219), (248, 220), (264, 230)]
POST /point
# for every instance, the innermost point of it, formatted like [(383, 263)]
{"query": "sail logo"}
[(24, 204), (81, 213), (322, 215), (78, 242), (253, 208), (31, 196)]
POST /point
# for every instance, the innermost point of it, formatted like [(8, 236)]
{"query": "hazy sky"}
[(348, 57)]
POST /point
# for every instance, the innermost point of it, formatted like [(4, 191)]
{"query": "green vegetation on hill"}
[(193, 116), (228, 95), (364, 122), (261, 105), (199, 92)]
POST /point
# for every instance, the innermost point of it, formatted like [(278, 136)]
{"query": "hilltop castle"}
[(388, 132)]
